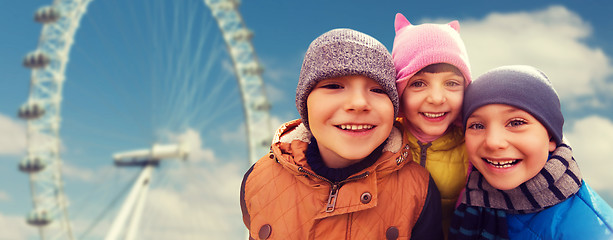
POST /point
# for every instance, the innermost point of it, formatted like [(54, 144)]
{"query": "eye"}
[(516, 122), (417, 84), (378, 90), (475, 126), (453, 83), (331, 86)]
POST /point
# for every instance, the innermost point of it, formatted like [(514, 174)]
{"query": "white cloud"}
[(187, 200), (204, 202), (15, 227), (590, 139), (238, 136), (13, 137), (551, 40), (4, 196), (193, 141)]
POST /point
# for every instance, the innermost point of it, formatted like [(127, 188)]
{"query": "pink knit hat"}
[(417, 46)]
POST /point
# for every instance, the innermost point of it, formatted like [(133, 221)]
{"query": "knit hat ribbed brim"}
[(344, 52), (523, 87)]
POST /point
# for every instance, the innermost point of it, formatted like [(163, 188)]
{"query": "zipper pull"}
[(332, 198)]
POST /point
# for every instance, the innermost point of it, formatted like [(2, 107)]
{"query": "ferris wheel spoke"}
[(114, 101), (100, 188), (105, 212)]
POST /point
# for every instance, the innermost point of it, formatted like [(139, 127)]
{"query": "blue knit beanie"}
[(344, 52), (523, 87)]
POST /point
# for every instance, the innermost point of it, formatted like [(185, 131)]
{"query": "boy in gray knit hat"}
[(342, 171), (525, 183)]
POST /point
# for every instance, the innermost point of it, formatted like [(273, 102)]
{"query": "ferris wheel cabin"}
[(29, 111), (36, 60), (47, 14), (38, 218), (31, 164)]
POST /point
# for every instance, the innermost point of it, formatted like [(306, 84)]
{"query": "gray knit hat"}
[(343, 52), (523, 87)]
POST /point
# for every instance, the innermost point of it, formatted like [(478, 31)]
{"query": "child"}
[(342, 170), (525, 183), (432, 71)]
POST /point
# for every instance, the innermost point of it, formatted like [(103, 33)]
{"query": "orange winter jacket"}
[(282, 198)]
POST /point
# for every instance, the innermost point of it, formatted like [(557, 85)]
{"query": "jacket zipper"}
[(334, 186)]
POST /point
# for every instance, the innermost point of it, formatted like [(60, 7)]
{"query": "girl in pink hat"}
[(432, 70)]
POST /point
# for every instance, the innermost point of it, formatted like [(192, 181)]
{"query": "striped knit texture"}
[(488, 223), (559, 179)]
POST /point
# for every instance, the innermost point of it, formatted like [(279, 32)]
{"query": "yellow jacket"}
[(282, 198), (447, 162)]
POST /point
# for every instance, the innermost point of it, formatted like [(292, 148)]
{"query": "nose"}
[(495, 138), (358, 101), (436, 96)]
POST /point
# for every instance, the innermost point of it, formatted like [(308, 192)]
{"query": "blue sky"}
[(124, 62)]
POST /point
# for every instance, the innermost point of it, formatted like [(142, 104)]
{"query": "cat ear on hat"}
[(400, 22), (455, 25)]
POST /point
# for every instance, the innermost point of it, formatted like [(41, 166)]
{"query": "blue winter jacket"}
[(585, 215)]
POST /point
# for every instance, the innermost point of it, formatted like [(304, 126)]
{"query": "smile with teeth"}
[(433, 115), (502, 164), (354, 127)]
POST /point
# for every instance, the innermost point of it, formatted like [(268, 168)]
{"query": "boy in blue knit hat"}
[(342, 171), (525, 183)]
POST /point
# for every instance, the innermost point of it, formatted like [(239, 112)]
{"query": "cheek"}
[(385, 107), (538, 152), (455, 100), (409, 102), (471, 143), (314, 110)]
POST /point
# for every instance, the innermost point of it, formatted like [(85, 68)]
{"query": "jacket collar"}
[(451, 139), (292, 138)]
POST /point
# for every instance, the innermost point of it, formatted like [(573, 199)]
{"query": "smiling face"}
[(432, 100), (349, 116), (506, 144)]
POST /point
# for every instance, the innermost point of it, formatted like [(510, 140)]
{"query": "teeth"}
[(433, 115), (355, 127), (504, 164)]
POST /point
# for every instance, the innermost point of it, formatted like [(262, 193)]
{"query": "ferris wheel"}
[(42, 110)]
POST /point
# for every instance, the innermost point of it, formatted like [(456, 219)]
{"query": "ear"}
[(455, 25), (552, 145), (400, 22)]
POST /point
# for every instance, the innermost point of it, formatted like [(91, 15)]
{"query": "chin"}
[(505, 187), (502, 184), (353, 156)]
